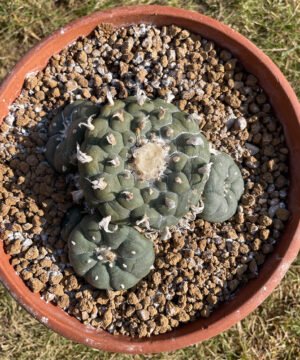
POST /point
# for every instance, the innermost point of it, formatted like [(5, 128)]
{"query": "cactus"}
[(143, 163), (109, 257), (222, 190), (71, 219), (65, 131)]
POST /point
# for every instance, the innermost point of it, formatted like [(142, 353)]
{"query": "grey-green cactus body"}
[(71, 219), (144, 164), (223, 189), (66, 131), (109, 260)]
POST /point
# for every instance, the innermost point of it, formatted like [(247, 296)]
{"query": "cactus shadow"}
[(44, 196)]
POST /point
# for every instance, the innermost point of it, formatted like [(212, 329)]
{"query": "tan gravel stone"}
[(282, 214), (35, 285)]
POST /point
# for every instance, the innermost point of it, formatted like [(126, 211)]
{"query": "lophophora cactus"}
[(223, 189), (107, 258), (141, 164), (67, 130)]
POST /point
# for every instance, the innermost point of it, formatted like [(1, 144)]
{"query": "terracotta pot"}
[(287, 109)]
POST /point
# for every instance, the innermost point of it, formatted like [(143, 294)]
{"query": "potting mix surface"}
[(202, 264)]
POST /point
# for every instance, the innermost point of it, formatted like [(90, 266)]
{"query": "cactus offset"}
[(222, 190), (146, 157), (115, 259), (66, 131)]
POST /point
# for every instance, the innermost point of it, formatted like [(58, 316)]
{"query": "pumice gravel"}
[(198, 264)]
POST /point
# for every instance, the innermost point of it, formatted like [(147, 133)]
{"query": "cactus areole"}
[(142, 163)]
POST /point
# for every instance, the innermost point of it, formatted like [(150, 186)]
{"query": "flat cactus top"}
[(223, 189), (115, 258), (141, 162)]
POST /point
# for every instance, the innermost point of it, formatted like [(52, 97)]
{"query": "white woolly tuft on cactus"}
[(144, 221), (120, 115), (109, 97), (82, 157), (104, 224), (141, 96), (98, 184), (88, 123)]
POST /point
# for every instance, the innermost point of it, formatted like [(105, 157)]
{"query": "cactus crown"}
[(141, 163)]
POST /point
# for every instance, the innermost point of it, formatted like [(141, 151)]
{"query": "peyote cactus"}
[(71, 219), (109, 258), (143, 164), (66, 131), (223, 189)]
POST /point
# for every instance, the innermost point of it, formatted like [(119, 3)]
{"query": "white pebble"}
[(229, 122), (240, 123), (26, 243), (9, 120), (78, 69)]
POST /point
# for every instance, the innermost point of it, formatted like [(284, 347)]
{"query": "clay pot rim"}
[(199, 330)]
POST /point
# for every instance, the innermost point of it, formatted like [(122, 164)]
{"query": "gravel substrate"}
[(203, 264)]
